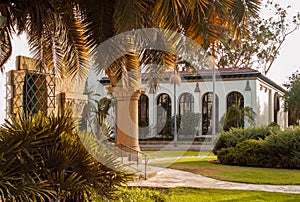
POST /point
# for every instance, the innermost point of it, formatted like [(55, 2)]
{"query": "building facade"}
[(246, 87)]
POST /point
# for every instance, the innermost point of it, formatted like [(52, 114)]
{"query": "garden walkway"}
[(167, 178)]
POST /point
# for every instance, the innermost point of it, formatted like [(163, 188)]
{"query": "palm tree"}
[(63, 34), (235, 116)]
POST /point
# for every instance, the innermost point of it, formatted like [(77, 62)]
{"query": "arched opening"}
[(143, 116), (143, 107), (164, 115), (235, 98), (207, 105), (276, 107), (186, 103), (235, 103)]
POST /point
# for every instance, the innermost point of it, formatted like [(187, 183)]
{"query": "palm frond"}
[(5, 47), (125, 21)]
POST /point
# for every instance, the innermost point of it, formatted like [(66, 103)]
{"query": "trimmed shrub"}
[(250, 153), (280, 149), (283, 149), (235, 135), (246, 153), (227, 156)]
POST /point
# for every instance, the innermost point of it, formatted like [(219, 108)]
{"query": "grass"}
[(165, 154), (199, 195), (234, 173), (182, 194)]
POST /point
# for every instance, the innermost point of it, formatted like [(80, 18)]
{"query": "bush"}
[(283, 148), (280, 149), (250, 153), (46, 159), (227, 156), (139, 194), (235, 135), (246, 153)]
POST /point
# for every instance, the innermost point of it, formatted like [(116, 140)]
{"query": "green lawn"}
[(164, 154), (253, 175), (199, 195), (181, 194)]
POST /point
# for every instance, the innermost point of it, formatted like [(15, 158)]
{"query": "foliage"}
[(236, 115), (292, 97), (275, 148), (283, 148), (141, 194), (227, 156), (230, 138), (62, 34), (245, 153), (261, 47), (94, 117), (46, 158)]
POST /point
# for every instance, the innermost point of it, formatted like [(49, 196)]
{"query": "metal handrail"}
[(138, 153)]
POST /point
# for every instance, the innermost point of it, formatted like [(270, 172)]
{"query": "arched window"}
[(186, 103), (235, 98), (163, 114), (276, 107), (143, 111), (234, 120), (207, 105)]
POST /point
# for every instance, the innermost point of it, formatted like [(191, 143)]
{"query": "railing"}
[(134, 155)]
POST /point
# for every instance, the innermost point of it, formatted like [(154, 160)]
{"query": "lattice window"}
[(29, 92)]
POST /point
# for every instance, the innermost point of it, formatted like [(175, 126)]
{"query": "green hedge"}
[(246, 153), (235, 135), (277, 148)]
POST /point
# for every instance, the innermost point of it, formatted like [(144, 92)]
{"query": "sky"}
[(286, 63)]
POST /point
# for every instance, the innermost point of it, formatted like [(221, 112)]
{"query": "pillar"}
[(127, 116)]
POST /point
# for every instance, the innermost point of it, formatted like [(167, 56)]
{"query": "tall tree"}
[(62, 34), (261, 47), (292, 98)]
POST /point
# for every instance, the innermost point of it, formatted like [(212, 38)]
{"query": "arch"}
[(164, 108), (207, 104), (276, 107), (186, 103), (234, 98), (143, 111)]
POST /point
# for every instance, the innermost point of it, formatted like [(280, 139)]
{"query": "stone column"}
[(127, 116)]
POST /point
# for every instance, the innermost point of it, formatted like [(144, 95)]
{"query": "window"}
[(163, 114), (186, 103), (235, 98), (276, 107), (29, 94), (35, 96), (143, 111), (207, 104)]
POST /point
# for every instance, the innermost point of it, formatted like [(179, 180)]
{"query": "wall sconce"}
[(197, 88)]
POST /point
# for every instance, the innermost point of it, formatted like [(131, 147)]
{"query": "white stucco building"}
[(194, 94)]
